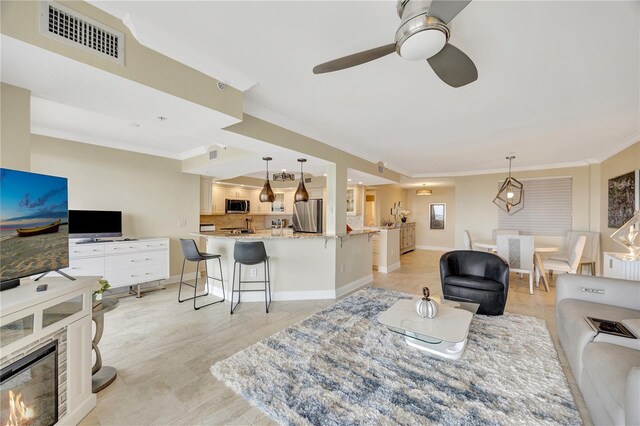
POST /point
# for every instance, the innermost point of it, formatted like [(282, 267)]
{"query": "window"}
[(547, 207)]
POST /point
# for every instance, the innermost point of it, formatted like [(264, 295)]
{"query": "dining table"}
[(537, 247)]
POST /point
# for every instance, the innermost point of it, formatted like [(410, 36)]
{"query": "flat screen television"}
[(33, 225), (93, 224)]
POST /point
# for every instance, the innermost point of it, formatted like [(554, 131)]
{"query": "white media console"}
[(122, 263)]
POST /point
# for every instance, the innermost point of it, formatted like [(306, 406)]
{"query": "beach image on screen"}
[(34, 234)]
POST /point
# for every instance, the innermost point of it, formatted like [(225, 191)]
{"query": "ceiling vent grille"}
[(307, 180), (66, 25), (213, 154)]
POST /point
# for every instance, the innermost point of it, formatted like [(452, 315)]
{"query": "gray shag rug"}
[(340, 366)]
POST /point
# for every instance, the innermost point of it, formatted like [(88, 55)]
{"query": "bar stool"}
[(192, 254), (250, 253)]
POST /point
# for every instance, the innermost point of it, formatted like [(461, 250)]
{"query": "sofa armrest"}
[(632, 396), (608, 291)]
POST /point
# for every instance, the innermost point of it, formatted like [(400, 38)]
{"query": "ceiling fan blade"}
[(453, 66), (355, 59), (446, 10)]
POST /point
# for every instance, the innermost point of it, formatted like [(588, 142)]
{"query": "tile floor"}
[(163, 350)]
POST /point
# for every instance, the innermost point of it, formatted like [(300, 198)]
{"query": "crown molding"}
[(620, 146)]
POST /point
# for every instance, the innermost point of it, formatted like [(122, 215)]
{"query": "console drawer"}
[(84, 250), (88, 266), (127, 247), (154, 245), (134, 260)]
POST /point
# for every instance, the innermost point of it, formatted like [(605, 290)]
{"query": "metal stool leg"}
[(266, 304), (233, 286), (181, 277), (224, 297), (206, 284)]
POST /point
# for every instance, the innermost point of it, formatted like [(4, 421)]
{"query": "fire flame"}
[(19, 413)]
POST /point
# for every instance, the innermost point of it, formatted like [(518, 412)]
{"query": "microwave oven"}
[(236, 206)]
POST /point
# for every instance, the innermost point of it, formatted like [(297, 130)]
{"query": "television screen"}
[(95, 223), (33, 224)]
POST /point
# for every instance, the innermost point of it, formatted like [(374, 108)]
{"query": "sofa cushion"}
[(607, 367), (473, 281), (574, 331)]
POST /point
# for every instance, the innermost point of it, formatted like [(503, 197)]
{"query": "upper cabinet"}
[(237, 194), (217, 197), (205, 196), (288, 201), (354, 200)]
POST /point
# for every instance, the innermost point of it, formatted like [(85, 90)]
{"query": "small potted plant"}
[(97, 295), (404, 214)]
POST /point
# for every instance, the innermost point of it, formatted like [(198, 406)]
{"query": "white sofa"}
[(607, 368)]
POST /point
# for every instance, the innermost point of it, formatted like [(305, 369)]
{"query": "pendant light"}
[(510, 197), (423, 191), (267, 195), (301, 192)]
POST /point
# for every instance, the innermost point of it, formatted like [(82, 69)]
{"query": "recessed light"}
[(348, 180), (134, 125), (359, 183), (284, 170), (325, 175)]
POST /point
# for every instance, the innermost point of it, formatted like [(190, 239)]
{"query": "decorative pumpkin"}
[(426, 307)]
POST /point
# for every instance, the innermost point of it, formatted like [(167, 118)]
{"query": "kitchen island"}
[(303, 266)]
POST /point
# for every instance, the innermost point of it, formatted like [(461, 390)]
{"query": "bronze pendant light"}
[(510, 197), (301, 192), (267, 195)]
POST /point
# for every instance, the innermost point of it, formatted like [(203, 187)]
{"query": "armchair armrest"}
[(608, 291)]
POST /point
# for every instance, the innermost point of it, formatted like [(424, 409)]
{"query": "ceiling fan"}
[(423, 34)]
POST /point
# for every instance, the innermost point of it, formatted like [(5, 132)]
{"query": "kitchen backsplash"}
[(238, 220)]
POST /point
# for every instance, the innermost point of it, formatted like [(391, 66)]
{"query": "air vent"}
[(63, 24), (380, 169), (307, 180), (213, 154)]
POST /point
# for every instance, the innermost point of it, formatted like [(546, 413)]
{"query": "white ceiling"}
[(558, 81)]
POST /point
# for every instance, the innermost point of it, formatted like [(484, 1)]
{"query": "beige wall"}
[(152, 192), (621, 163), (386, 195), (419, 207), (476, 212), (15, 127)]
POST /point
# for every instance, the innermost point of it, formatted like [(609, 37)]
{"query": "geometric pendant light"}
[(510, 197), (301, 192), (267, 195)]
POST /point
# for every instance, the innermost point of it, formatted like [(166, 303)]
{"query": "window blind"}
[(547, 207)]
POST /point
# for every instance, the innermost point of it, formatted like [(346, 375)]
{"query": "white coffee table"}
[(444, 335)]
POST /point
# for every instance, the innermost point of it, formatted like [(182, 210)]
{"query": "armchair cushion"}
[(473, 281)]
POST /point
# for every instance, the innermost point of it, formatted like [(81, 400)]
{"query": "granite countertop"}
[(275, 235)]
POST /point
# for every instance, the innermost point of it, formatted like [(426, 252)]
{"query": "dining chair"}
[(466, 237), (518, 251), (497, 232), (590, 253), (572, 263)]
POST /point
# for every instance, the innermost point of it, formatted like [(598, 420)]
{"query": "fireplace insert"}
[(29, 389)]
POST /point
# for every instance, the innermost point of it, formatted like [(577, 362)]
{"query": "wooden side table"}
[(102, 376)]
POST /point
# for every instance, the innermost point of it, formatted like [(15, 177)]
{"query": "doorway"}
[(370, 208)]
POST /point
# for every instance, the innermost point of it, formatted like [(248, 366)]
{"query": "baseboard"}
[(176, 278), (80, 412), (390, 268), (278, 295), (354, 285), (437, 248)]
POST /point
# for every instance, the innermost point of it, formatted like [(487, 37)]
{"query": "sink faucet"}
[(249, 220)]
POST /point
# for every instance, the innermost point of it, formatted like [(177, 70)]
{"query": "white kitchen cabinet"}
[(315, 193), (354, 201), (217, 197), (288, 202), (205, 196), (617, 266), (237, 194)]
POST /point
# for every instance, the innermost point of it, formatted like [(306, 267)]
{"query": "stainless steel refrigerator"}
[(307, 216)]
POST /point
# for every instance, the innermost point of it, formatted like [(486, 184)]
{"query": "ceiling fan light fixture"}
[(423, 45)]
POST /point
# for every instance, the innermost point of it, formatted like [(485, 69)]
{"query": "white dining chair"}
[(497, 232), (589, 254), (570, 265), (466, 237), (518, 251)]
